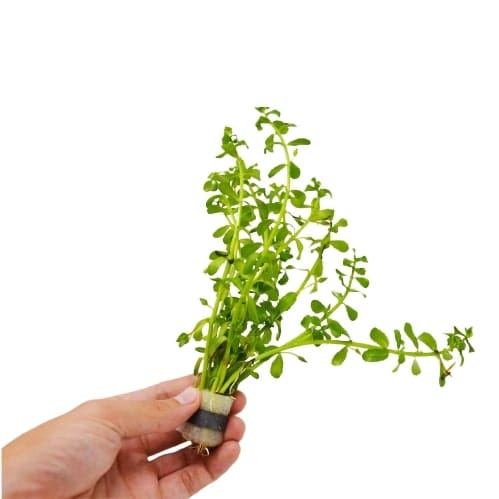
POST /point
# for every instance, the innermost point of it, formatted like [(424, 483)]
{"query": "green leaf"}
[(183, 339), (294, 170), (342, 222), (221, 231), (299, 142), (310, 320), (247, 215), (210, 185), (266, 335), (261, 119), (317, 307), (351, 312), (336, 328), (362, 281), (213, 204), (379, 337), (415, 369), (340, 245), (204, 301), (269, 143), (248, 249), (429, 341), (238, 312), (228, 236), (398, 339), (276, 170), (320, 215), (375, 354), (339, 357), (282, 127), (401, 360), (282, 233), (274, 207), (214, 265), (252, 310), (410, 334), (299, 248), (285, 255), (277, 366), (284, 279), (226, 189), (250, 263), (297, 198), (287, 301), (446, 355), (230, 149), (318, 268)]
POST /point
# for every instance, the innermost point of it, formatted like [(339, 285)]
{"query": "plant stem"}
[(254, 364), (228, 272)]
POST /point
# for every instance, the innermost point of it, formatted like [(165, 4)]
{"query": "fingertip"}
[(223, 458), (232, 449), (239, 402), (235, 429)]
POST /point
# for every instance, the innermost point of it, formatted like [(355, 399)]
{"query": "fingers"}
[(239, 403), (170, 463), (160, 391), (131, 418), (202, 471), (158, 442), (191, 479)]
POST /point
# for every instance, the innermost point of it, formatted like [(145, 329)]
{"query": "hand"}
[(101, 448)]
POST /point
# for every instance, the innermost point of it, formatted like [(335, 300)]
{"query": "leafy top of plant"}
[(270, 254)]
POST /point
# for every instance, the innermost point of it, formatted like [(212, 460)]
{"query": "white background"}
[(111, 115)]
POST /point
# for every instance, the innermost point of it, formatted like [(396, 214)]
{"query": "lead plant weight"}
[(278, 247), (206, 427)]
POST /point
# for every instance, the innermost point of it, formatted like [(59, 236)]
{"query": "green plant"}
[(271, 252)]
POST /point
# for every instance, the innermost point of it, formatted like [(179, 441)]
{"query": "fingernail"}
[(188, 396)]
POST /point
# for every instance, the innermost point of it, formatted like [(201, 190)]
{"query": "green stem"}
[(254, 364), (347, 291), (228, 272), (211, 335), (282, 213), (348, 343)]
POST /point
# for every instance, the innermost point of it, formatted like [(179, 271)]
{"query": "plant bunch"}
[(271, 254)]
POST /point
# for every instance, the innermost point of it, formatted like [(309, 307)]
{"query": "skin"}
[(100, 449)]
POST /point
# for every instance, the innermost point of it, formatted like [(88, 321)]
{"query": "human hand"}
[(100, 449)]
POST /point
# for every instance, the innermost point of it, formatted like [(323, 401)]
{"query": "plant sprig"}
[(271, 252)]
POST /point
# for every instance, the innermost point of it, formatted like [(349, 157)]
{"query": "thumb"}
[(131, 418)]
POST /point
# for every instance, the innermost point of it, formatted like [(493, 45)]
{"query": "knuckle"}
[(94, 409)]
